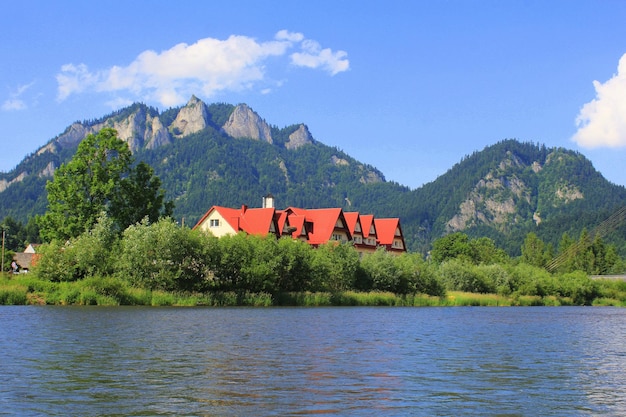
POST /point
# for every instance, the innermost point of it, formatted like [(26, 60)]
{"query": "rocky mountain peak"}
[(190, 119), (245, 123), (299, 138)]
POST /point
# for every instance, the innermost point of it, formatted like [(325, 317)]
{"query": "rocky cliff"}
[(143, 128), (245, 123)]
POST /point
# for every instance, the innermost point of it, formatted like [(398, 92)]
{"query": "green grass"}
[(110, 291)]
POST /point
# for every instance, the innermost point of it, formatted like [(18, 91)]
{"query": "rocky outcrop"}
[(568, 193), (4, 184), (190, 119), (371, 177), (339, 161), (74, 134), (131, 129), (245, 123), (48, 171), (299, 138), (493, 201), (156, 134)]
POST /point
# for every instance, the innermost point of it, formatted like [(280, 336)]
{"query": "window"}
[(357, 239), (337, 236), (214, 223)]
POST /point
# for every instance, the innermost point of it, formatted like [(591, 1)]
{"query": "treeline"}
[(164, 256)]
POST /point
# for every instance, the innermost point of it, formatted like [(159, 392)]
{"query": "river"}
[(352, 361)]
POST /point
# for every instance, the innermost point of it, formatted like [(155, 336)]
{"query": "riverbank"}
[(28, 290)]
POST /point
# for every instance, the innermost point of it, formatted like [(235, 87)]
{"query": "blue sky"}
[(410, 87)]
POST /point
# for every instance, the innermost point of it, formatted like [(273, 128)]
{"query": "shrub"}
[(16, 295), (462, 276), (579, 287), (166, 257)]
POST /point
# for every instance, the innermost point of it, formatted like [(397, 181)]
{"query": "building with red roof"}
[(314, 226)]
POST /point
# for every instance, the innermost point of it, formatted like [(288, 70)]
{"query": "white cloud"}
[(602, 121), (15, 101), (313, 56), (13, 104), (206, 67)]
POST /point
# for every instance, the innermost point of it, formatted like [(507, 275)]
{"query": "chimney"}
[(243, 208), (268, 201)]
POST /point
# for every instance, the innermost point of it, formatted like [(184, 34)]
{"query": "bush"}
[(530, 280), (334, 267), (462, 276), (16, 295), (579, 287), (164, 256)]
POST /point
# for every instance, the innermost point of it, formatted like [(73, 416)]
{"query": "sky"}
[(409, 87)]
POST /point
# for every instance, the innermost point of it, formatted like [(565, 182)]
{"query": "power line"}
[(614, 221)]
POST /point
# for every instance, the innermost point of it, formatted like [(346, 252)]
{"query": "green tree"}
[(383, 272), (140, 196), (452, 246), (14, 234), (88, 255), (294, 271), (534, 251), (485, 251), (460, 275), (99, 178), (334, 267), (165, 256)]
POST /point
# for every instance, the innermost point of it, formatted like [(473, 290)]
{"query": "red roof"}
[(386, 230), (324, 222), (366, 224), (316, 225), (253, 221), (352, 218)]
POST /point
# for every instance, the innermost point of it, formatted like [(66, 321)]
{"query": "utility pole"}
[(2, 259)]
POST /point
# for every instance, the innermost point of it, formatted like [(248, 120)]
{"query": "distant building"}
[(27, 259), (314, 226)]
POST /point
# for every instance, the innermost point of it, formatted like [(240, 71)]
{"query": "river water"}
[(139, 361)]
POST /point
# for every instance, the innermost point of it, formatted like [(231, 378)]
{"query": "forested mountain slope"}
[(512, 188), (228, 155)]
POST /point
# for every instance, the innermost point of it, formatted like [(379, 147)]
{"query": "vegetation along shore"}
[(110, 239)]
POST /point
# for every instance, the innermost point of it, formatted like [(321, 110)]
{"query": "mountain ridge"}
[(228, 155)]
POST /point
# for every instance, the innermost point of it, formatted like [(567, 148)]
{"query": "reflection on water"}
[(299, 361)]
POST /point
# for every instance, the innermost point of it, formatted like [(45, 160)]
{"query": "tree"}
[(454, 245), (484, 251), (15, 234), (165, 256), (100, 178), (534, 251), (140, 196)]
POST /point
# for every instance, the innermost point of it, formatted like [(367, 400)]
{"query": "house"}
[(221, 221), (314, 226), (25, 260)]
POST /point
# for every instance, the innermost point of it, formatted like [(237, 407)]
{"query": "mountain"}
[(512, 188), (228, 155)]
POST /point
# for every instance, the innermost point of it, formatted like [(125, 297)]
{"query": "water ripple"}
[(59, 361)]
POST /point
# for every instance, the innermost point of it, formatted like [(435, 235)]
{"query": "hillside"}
[(511, 188), (228, 155)]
